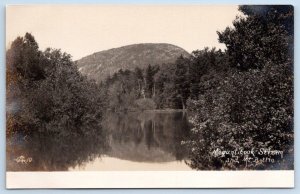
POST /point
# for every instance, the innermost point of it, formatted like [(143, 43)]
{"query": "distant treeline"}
[(163, 86)]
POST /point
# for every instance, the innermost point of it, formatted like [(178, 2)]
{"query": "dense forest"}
[(240, 98), (167, 86)]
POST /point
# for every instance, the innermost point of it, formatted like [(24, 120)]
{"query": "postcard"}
[(149, 96)]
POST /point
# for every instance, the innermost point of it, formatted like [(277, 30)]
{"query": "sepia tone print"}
[(141, 101)]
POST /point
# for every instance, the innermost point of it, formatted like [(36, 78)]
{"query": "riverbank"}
[(166, 110)]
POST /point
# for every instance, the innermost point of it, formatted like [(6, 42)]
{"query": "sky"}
[(82, 30)]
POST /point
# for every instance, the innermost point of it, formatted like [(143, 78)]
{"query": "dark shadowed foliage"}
[(47, 94), (249, 106)]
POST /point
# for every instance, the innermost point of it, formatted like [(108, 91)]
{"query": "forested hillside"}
[(100, 65)]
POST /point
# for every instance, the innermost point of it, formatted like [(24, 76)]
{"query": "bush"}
[(243, 114), (144, 104)]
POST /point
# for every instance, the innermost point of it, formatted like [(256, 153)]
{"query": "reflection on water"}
[(52, 153), (134, 141)]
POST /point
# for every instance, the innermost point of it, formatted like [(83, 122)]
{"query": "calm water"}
[(134, 141)]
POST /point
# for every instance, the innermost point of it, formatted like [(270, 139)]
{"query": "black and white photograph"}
[(149, 88)]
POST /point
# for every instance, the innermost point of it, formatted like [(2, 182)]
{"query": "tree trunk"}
[(140, 91), (143, 93), (183, 106)]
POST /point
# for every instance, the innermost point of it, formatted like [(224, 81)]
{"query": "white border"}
[(151, 179)]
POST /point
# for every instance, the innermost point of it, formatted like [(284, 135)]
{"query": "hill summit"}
[(105, 63)]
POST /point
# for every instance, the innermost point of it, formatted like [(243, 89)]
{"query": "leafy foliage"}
[(260, 37), (49, 94), (248, 106)]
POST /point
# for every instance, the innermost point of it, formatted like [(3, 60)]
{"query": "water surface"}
[(148, 140)]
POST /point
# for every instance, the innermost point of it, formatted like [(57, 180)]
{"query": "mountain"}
[(102, 64)]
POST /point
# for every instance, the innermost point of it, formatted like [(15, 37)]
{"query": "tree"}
[(250, 106), (261, 37), (164, 86), (149, 79), (53, 97), (140, 78), (182, 82), (203, 63), (277, 14), (24, 70)]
